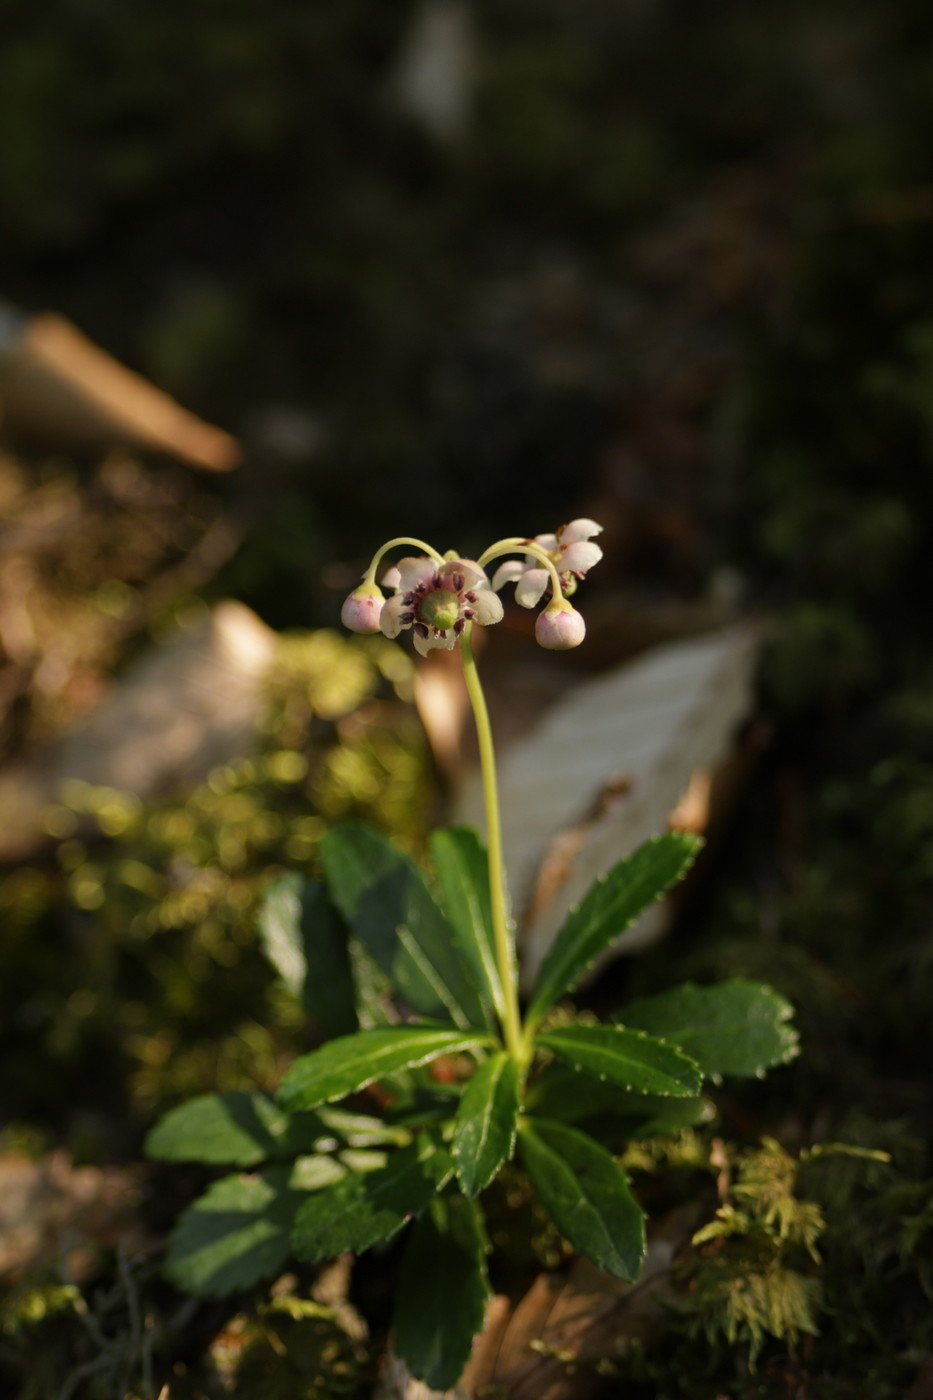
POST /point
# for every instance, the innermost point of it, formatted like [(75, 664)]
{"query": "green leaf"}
[(355, 1129), (316, 1172), (240, 1129), (586, 1194), (442, 1291), (484, 1129), (342, 1066), (234, 1235), (420, 1104), (461, 866), (633, 1060), (611, 904), (735, 1027), (607, 1113), (375, 997), (569, 1096), (650, 1117), (369, 1206), (306, 941), (388, 906)]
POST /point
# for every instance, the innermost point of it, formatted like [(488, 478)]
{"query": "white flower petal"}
[(424, 645), (547, 542), (509, 572), (413, 571), (470, 572), (579, 530), (488, 607), (530, 587), (391, 578), (579, 557), (390, 618)]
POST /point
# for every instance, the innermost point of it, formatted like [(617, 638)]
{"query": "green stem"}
[(516, 546), (502, 936), (370, 575)]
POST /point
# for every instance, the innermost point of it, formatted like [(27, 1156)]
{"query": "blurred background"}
[(277, 284), (479, 260)]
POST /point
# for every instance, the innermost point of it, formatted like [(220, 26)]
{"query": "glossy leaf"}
[(485, 1126), (632, 1059), (442, 1291), (368, 1206), (586, 1194), (461, 867), (342, 1066), (306, 941), (612, 903), (389, 908), (735, 1027)]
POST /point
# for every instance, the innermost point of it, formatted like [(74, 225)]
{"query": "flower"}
[(438, 600), (571, 551), (559, 627), (362, 610)]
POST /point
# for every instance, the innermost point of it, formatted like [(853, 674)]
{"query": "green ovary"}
[(440, 609)]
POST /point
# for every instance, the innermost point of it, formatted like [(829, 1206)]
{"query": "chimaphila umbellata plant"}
[(414, 976)]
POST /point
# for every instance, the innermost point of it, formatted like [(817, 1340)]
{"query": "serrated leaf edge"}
[(783, 1023), (629, 1088), (531, 1125), (694, 845)]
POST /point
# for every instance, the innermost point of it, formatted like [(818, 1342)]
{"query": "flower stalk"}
[(441, 598), (370, 575), (503, 942)]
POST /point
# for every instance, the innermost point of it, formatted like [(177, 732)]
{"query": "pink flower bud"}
[(362, 610), (560, 627)]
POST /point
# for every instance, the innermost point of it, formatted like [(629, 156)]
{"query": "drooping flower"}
[(571, 551), (559, 626), (362, 610), (438, 600)]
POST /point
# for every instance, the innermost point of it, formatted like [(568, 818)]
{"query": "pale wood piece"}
[(59, 389)]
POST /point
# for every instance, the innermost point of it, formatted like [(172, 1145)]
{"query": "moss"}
[(137, 939)]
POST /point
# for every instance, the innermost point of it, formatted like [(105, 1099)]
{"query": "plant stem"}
[(515, 546), (502, 936), (370, 574)]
